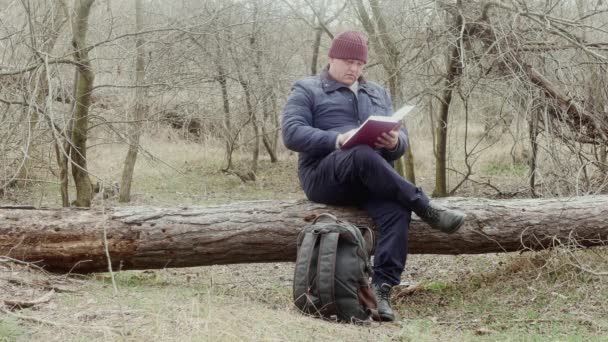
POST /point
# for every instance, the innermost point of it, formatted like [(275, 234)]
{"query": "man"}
[(321, 113)]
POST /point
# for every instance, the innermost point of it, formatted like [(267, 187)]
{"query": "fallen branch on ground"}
[(22, 304)]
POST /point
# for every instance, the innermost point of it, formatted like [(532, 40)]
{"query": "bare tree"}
[(391, 58), (530, 75), (42, 39), (139, 115), (82, 101)]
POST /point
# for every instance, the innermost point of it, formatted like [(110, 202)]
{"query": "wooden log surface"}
[(266, 231)]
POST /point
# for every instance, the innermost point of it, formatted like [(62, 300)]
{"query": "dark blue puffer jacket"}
[(319, 108)]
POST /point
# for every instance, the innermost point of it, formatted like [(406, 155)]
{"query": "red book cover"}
[(374, 126)]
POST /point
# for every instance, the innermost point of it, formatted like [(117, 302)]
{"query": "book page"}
[(374, 126), (399, 115), (402, 112)]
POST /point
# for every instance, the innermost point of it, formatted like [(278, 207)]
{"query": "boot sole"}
[(386, 317)]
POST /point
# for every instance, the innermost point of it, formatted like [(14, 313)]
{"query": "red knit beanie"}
[(349, 45)]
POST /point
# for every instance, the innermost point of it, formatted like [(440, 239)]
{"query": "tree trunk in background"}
[(316, 46), (604, 159), (222, 78), (82, 98), (390, 58), (276, 112), (271, 149), (596, 84), (395, 81), (408, 159), (453, 70), (138, 117), (253, 118), (267, 137), (265, 97), (62, 163), (60, 145), (315, 50), (266, 231), (533, 136), (255, 155), (223, 81)]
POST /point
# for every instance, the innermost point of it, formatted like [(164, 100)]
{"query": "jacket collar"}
[(329, 84)]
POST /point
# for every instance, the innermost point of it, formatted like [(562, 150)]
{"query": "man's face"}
[(345, 71)]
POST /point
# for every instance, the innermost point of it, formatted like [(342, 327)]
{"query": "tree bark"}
[(265, 96), (84, 190), (222, 79), (139, 114), (251, 111), (315, 50), (266, 231), (533, 137), (453, 71)]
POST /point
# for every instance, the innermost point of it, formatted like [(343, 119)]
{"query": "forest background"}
[(149, 102)]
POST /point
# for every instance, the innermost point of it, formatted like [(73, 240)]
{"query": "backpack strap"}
[(354, 234), (301, 277), (326, 271), (370, 239), (324, 216)]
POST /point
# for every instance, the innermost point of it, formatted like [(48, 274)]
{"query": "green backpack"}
[(332, 271)]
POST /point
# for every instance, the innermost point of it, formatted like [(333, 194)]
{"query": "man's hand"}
[(389, 140), (344, 136)]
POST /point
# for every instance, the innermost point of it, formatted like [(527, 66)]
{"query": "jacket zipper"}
[(356, 104)]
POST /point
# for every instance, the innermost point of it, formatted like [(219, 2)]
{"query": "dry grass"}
[(533, 296), (173, 171), (221, 303)]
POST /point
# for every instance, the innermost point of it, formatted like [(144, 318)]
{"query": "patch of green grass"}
[(436, 287), (10, 329), (501, 169)]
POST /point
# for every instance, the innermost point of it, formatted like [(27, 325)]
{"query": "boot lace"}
[(432, 214), (383, 294)]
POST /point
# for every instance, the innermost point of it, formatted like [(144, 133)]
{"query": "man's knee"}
[(364, 155)]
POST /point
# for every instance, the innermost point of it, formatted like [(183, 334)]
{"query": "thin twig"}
[(22, 304), (20, 262)]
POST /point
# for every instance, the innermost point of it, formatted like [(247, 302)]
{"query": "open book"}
[(374, 126)]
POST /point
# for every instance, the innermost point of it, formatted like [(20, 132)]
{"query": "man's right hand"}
[(344, 136)]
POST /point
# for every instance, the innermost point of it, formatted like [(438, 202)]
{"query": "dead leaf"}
[(408, 291)]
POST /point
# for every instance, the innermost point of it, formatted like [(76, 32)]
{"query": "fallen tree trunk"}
[(266, 231)]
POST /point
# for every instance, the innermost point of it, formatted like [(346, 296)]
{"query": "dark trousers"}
[(360, 176)]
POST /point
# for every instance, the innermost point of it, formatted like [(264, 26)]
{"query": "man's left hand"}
[(389, 140)]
